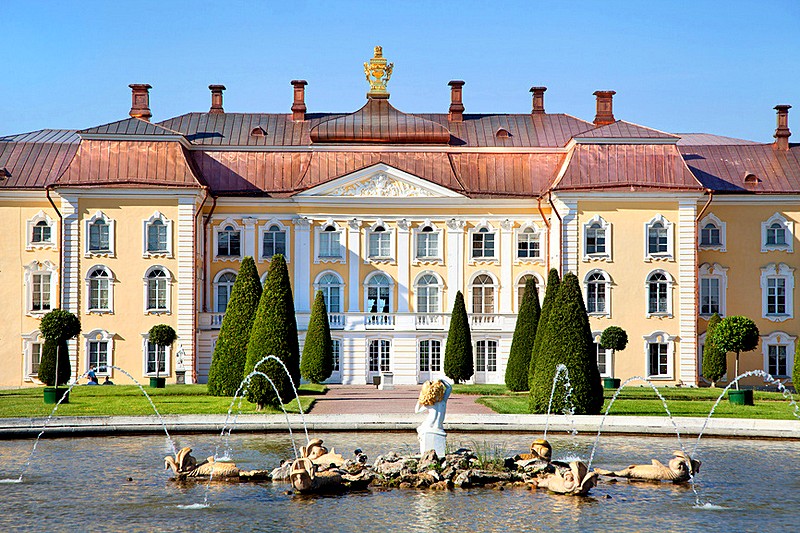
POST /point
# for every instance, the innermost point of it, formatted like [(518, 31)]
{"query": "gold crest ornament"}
[(378, 72)]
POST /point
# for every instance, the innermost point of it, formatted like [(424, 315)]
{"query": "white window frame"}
[(41, 216), (263, 229), (670, 287), (720, 273), (788, 227), (98, 335), (495, 290), (606, 286), (428, 260), (721, 226), (520, 284), (157, 216), (99, 215), (318, 230), (111, 280), (34, 337), (779, 338), (430, 340), (539, 236), (219, 228), (169, 279), (318, 286), (33, 269), (670, 231), (216, 284), (606, 228), (486, 362), (490, 230), (367, 285), (660, 337), (439, 291), (379, 341), (777, 270), (388, 231), (167, 358), (609, 373), (337, 357)]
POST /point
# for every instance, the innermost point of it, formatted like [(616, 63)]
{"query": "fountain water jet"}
[(569, 409)]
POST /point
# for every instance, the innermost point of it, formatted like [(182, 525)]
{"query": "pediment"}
[(381, 181)]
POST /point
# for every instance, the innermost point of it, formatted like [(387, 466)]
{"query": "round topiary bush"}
[(57, 327), (736, 334), (162, 335)]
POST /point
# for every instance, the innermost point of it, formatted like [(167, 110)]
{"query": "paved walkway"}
[(366, 399)]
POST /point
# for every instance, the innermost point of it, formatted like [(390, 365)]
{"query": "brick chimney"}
[(140, 101), (216, 99), (456, 105), (538, 100), (782, 132), (299, 104), (605, 108)]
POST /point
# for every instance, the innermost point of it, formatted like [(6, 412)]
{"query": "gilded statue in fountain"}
[(680, 469)]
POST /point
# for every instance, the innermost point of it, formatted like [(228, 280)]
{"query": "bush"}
[(568, 341), (715, 361), (553, 282), (458, 364), (57, 327), (162, 335), (519, 357), (274, 332), (614, 338), (316, 365), (735, 334), (230, 352)]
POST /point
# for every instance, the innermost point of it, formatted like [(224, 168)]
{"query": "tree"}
[(161, 335), (458, 364), (715, 361), (316, 365), (519, 357), (553, 282), (568, 341), (57, 327), (614, 338), (230, 353), (736, 334), (796, 370), (274, 332)]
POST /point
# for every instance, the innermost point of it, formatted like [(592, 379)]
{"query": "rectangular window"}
[(776, 296), (156, 358), (36, 357), (658, 360), (596, 297), (380, 244), (379, 356), (40, 287), (41, 232), (99, 236), (274, 242), (336, 348), (709, 296), (329, 245), (436, 356), (602, 363), (482, 244), (486, 356), (595, 240), (427, 245), (425, 356), (157, 294), (229, 243), (157, 237), (98, 356), (657, 239), (528, 245), (777, 361)]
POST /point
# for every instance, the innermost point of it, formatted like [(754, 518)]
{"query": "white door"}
[(336, 375), (429, 360), (485, 361), (378, 358)]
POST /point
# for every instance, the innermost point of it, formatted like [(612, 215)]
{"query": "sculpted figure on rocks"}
[(575, 480), (184, 465), (680, 469)]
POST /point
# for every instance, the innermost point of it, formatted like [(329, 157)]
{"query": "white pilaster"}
[(186, 310), (455, 260), (570, 235), (403, 265), (506, 260), (302, 265), (687, 290), (249, 244), (354, 262), (70, 274)]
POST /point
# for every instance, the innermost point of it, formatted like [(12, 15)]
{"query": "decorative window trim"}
[(721, 226), (37, 267), (607, 282), (670, 287), (609, 373), (540, 235), (318, 229), (606, 227), (215, 284), (111, 236), (715, 271), (167, 358), (518, 283), (778, 270), (34, 337), (318, 286), (221, 227), (439, 285), (170, 279), (435, 260), (378, 339), (145, 225), (98, 335), (660, 337), (778, 338), (483, 223), (111, 281), (486, 340), (264, 229), (337, 372), (392, 232), (41, 216), (495, 285), (392, 284), (788, 226), (668, 226)]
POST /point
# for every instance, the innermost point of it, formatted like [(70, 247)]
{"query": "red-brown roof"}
[(624, 130), (34, 160)]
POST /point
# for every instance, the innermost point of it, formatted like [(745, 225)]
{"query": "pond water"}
[(82, 484)]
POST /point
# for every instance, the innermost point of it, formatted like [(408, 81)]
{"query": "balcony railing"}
[(379, 321)]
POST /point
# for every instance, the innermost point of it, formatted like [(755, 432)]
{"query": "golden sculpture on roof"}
[(378, 72)]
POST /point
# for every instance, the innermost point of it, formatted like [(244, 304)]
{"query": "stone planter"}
[(741, 397), (158, 383), (54, 394), (611, 383)]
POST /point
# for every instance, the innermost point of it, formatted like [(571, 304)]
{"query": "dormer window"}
[(258, 131), (502, 133)]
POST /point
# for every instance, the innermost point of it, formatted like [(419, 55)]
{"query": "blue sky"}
[(711, 66)]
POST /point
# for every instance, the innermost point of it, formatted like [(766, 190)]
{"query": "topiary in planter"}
[(458, 364), (316, 365), (715, 360), (161, 335), (57, 327), (614, 338), (519, 357), (553, 283), (736, 334)]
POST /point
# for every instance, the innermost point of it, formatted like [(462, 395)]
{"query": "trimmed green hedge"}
[(551, 291), (316, 365), (458, 364), (519, 357), (57, 327), (715, 361)]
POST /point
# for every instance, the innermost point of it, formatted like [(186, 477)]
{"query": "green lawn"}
[(129, 400)]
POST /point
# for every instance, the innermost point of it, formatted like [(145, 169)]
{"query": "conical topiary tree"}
[(715, 361), (274, 332), (57, 327), (568, 341), (735, 334), (458, 364), (519, 358), (316, 365), (553, 283), (230, 353)]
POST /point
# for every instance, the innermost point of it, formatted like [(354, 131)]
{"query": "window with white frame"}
[(99, 349), (41, 232), (99, 289), (597, 292), (712, 233), (156, 358), (427, 248), (522, 282), (777, 234), (40, 283), (379, 241), (379, 355), (157, 236), (659, 352), (604, 362), (778, 350), (529, 244), (659, 293), (596, 239), (329, 242), (99, 235), (331, 286), (273, 241), (430, 355), (777, 292), (379, 293), (427, 288), (658, 238), (483, 289), (486, 356), (32, 351), (336, 350), (223, 288), (482, 240), (229, 241), (713, 281), (157, 289)]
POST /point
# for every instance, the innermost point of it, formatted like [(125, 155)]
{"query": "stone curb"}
[(73, 426)]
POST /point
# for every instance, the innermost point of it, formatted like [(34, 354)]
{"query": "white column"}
[(506, 260), (687, 290), (403, 265), (301, 256), (185, 307), (70, 274), (570, 234), (354, 264), (455, 260), (249, 245)]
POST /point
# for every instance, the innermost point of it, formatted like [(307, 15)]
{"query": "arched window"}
[(223, 289), (99, 296), (331, 286), (483, 289), (523, 280), (658, 293), (379, 294), (41, 232), (597, 292), (157, 283), (273, 241), (776, 234), (427, 288), (229, 242)]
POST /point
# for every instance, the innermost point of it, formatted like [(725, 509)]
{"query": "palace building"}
[(389, 214)]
